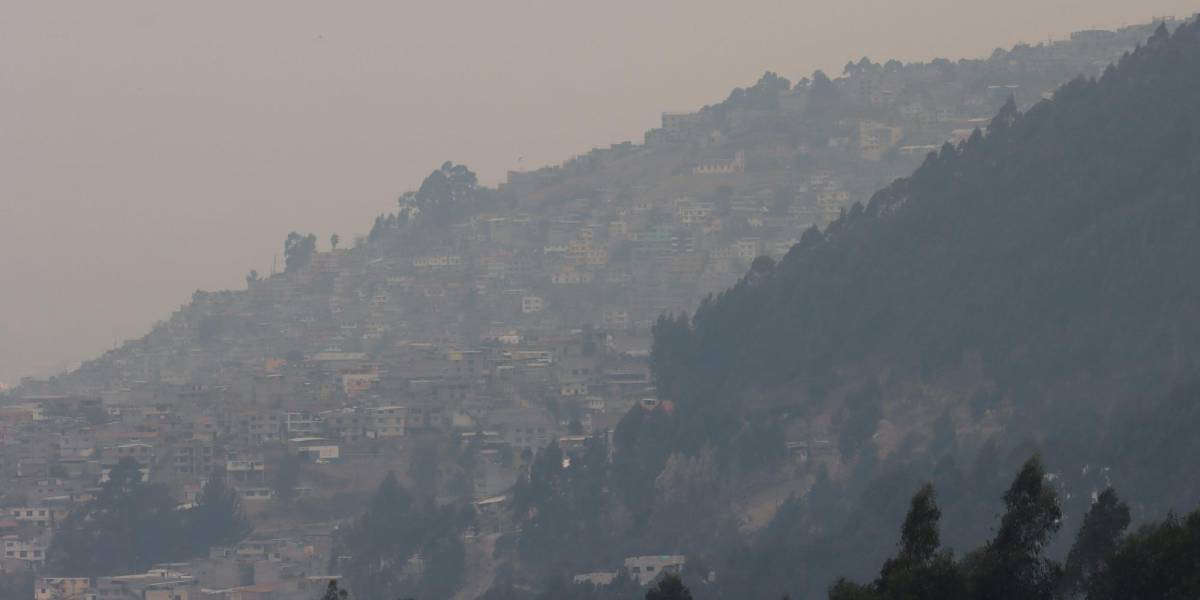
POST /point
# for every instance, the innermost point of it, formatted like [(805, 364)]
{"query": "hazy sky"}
[(151, 148)]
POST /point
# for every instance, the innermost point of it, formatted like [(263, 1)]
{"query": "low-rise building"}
[(63, 588), (389, 421), (645, 569), (315, 449)]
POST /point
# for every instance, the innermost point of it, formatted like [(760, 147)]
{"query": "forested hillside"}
[(1032, 287), (1048, 260), (1057, 247)]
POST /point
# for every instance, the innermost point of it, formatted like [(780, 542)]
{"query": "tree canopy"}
[(447, 195), (403, 545), (1160, 561), (132, 524), (298, 250)]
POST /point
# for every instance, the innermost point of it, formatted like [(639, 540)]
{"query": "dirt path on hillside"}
[(480, 567), (756, 510)]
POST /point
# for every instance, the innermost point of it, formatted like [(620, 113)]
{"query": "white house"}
[(645, 569)]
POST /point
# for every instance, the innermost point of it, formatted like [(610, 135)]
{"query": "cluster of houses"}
[(227, 566), (345, 417)]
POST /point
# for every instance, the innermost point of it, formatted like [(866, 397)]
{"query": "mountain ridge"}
[(920, 256), (756, 118)]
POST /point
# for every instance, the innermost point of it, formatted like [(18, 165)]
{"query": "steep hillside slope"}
[(613, 237), (1035, 286), (1058, 249)]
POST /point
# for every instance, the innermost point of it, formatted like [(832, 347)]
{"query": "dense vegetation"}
[(132, 525), (1052, 250), (1159, 561), (1034, 282), (1045, 263), (403, 545), (1040, 272), (448, 195), (298, 250)]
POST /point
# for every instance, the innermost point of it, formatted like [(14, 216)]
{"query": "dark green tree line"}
[(1160, 561), (403, 545), (132, 524)]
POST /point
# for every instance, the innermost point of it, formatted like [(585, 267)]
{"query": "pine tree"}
[(918, 571), (1159, 561), (1096, 541), (332, 592), (217, 520), (1011, 566), (397, 527), (670, 587), (128, 527), (919, 538), (844, 589)]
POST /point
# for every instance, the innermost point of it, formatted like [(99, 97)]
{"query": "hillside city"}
[(473, 327)]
